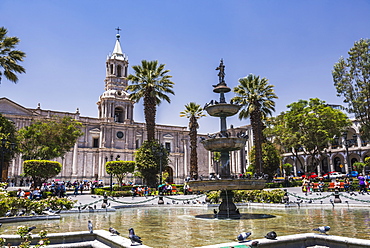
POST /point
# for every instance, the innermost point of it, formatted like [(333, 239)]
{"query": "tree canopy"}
[(120, 169), (351, 78), (7, 135), (308, 127), (256, 96), (9, 57), (41, 170), (148, 159), (152, 84), (48, 139)]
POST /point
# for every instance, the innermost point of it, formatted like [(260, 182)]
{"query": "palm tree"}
[(152, 84), (9, 57), (256, 96), (193, 111)]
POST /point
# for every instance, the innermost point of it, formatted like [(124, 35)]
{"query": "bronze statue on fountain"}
[(225, 142)]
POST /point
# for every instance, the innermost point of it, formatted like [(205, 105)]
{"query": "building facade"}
[(114, 134), (339, 156)]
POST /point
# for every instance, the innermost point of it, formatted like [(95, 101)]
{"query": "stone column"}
[(74, 160)]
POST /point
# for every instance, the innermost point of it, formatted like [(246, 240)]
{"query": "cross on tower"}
[(118, 29)]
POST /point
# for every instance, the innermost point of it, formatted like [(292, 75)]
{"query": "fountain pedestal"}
[(225, 142)]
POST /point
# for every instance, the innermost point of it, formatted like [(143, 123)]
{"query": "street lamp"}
[(4, 150), (346, 143), (159, 152), (111, 175)]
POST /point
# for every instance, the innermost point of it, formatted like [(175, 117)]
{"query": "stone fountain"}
[(224, 143)]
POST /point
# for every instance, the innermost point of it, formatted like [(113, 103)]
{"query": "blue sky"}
[(292, 43)]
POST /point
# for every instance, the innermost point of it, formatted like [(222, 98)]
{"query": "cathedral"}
[(114, 134)]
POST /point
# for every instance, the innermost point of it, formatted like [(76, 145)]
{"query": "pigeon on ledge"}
[(322, 229), (113, 231), (90, 226), (243, 236), (254, 244), (271, 235), (31, 228), (134, 238)]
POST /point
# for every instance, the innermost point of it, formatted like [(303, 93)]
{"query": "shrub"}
[(267, 196)]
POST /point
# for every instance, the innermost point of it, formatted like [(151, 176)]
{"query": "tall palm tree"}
[(9, 57), (257, 98), (152, 84), (193, 111)]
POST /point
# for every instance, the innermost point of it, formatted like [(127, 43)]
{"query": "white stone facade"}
[(114, 134)]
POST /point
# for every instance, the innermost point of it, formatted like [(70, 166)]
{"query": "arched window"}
[(118, 115), (119, 71), (111, 69)]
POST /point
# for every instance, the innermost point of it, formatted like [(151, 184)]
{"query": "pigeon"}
[(31, 228), (8, 214), (90, 226), (134, 238), (243, 236), (113, 231), (254, 244), (21, 213), (322, 229), (271, 235)]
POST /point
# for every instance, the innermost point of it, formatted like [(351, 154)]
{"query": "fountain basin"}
[(224, 144), (227, 184), (222, 109)]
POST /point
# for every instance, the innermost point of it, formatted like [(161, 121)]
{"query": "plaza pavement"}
[(295, 195)]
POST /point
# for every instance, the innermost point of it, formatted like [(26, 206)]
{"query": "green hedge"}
[(14, 204), (266, 196)]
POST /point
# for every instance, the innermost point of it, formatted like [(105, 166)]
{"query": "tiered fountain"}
[(224, 143)]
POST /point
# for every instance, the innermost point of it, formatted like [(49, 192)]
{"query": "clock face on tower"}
[(119, 134)]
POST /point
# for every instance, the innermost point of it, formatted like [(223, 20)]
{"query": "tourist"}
[(362, 183), (347, 185), (186, 189), (305, 185), (20, 193), (75, 184), (337, 184), (321, 185), (36, 194)]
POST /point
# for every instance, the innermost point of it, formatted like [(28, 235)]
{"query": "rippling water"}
[(177, 227)]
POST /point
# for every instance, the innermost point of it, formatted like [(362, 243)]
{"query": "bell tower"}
[(114, 104)]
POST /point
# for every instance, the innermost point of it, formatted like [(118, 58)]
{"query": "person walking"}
[(362, 184)]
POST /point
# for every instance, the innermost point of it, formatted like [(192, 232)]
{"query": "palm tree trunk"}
[(150, 113), (257, 139), (193, 148)]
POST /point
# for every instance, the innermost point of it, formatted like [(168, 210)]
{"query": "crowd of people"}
[(363, 183), (55, 187)]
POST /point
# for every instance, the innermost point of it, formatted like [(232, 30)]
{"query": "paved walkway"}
[(295, 195)]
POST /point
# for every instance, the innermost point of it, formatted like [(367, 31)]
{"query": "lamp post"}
[(346, 143), (111, 175), (159, 152), (4, 150)]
